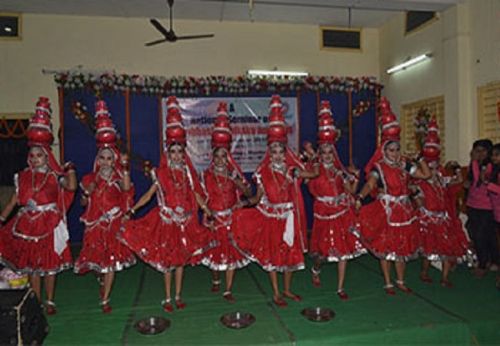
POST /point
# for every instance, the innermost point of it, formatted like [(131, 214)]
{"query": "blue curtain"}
[(145, 125)]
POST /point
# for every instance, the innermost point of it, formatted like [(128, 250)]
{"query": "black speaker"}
[(22, 321)]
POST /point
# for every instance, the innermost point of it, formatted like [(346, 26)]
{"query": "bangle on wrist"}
[(2, 219)]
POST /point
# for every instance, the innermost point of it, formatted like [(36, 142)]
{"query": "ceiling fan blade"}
[(191, 37), (149, 44), (159, 27)]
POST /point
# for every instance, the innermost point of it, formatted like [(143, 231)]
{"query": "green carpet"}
[(468, 314)]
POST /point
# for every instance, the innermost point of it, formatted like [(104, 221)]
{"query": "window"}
[(416, 20), (488, 111), (10, 26), (414, 116), (340, 38)]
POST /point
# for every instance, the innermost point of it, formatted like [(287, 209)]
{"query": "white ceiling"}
[(364, 13)]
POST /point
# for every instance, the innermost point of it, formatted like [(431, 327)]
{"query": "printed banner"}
[(249, 118)]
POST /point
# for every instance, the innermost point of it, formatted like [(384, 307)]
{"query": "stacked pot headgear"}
[(39, 131)]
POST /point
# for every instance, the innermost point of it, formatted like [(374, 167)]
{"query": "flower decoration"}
[(361, 108), (421, 123), (186, 86)]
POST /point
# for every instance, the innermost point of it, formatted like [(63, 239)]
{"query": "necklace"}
[(106, 175), (218, 173), (436, 185), (331, 175), (283, 186), (178, 184), (44, 180)]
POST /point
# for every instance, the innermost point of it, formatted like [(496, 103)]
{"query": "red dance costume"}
[(222, 195), (170, 234), (36, 238), (35, 241), (102, 252), (274, 233), (442, 237), (389, 225), (334, 217)]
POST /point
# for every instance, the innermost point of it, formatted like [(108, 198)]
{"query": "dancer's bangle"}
[(69, 166), (130, 212), (2, 219)]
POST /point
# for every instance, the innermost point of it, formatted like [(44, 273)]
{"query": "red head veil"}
[(431, 149), (277, 133), (222, 137), (176, 134), (390, 133), (327, 132), (40, 133), (106, 136)]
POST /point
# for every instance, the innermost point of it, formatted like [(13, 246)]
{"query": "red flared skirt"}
[(332, 237), (224, 255), (260, 238), (27, 245), (442, 238), (392, 237), (102, 252), (166, 245)]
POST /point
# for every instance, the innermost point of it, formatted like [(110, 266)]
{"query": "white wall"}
[(465, 43), (98, 43)]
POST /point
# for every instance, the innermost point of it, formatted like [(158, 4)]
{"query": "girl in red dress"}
[(224, 183), (440, 229), (35, 240), (334, 216), (169, 236), (107, 195), (388, 225), (274, 233)]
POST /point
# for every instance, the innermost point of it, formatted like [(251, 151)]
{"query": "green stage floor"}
[(468, 314)]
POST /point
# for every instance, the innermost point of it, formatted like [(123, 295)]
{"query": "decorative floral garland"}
[(183, 86)]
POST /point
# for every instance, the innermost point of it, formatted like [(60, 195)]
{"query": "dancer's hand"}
[(353, 170), (358, 204), (308, 153), (210, 223), (129, 214), (89, 189), (241, 204), (125, 161), (69, 166)]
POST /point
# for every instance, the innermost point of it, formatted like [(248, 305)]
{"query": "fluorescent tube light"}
[(276, 73), (409, 63)]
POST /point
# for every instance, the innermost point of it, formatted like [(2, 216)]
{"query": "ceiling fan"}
[(169, 35)]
